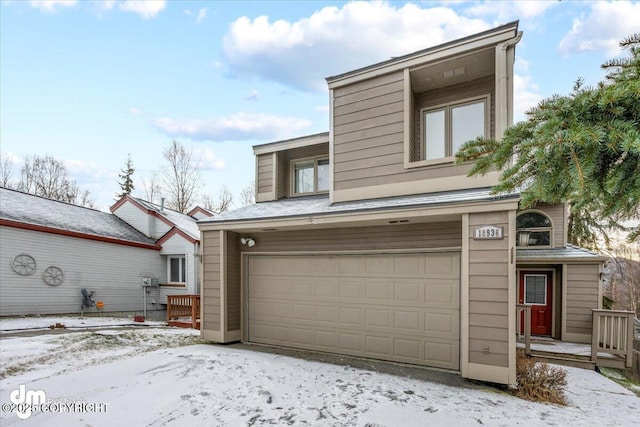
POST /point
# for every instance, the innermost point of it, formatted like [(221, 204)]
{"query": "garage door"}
[(399, 307)]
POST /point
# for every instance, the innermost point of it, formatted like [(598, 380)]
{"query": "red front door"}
[(536, 291)]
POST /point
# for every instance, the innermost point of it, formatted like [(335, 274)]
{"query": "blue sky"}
[(90, 82)]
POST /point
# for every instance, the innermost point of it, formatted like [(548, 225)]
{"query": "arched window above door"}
[(534, 229)]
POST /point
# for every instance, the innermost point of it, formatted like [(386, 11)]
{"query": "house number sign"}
[(488, 232)]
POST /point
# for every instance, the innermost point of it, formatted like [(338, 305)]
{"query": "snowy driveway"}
[(210, 385)]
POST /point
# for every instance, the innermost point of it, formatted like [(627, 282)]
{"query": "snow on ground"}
[(12, 324), (149, 377)]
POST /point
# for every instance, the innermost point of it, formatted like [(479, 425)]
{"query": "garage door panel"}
[(351, 316), (442, 354), (301, 311), (326, 287), (409, 292), (377, 290), (351, 289), (325, 314), (443, 324), (377, 345), (378, 306), (409, 265), (408, 320)]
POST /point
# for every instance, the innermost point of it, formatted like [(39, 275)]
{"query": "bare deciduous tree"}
[(180, 176), (624, 277), (248, 194), (152, 188), (48, 177), (220, 204), (6, 170)]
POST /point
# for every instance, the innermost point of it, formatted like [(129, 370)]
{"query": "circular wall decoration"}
[(52, 276), (23, 264)]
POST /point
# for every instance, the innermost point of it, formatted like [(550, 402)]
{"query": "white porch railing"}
[(523, 326), (612, 334)]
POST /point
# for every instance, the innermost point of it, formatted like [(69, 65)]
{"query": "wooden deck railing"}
[(523, 326), (612, 334), (184, 306)]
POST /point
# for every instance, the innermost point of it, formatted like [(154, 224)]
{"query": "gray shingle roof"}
[(29, 209), (320, 205), (183, 221), (570, 252)]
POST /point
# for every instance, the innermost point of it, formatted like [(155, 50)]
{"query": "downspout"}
[(504, 91), (196, 277)]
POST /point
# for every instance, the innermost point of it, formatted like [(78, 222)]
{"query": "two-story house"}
[(369, 240)]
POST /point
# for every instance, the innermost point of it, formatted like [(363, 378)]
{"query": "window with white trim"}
[(310, 176), (535, 289), (177, 269), (446, 128), (533, 229)]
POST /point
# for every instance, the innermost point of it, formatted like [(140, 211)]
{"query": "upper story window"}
[(533, 229), (310, 175), (177, 271), (447, 127)]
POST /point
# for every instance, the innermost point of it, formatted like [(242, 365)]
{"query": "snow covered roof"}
[(568, 253), (38, 211), (182, 221), (317, 205)]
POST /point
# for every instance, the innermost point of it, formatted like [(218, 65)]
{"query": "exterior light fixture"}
[(248, 241)]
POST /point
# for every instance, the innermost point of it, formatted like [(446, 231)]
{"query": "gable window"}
[(447, 127), (177, 271), (310, 176), (533, 229)]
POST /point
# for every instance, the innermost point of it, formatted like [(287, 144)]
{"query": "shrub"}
[(539, 382)]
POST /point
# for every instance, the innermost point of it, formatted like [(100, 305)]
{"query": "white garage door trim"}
[(399, 306)]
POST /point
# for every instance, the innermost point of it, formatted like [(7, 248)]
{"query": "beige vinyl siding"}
[(211, 280), (488, 293), (264, 173), (410, 236), (369, 131), (556, 214), (233, 282), (281, 175), (582, 295)]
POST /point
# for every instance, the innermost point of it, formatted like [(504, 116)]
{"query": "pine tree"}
[(583, 148), (126, 183)]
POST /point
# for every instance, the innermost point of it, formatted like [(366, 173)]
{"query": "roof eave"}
[(473, 42)]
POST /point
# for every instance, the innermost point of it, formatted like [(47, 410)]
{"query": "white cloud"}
[(208, 160), (237, 127), (51, 5), (334, 40), (105, 5), (604, 27), (202, 14), (135, 111), (503, 11), (82, 170), (525, 96), (323, 108), (147, 9)]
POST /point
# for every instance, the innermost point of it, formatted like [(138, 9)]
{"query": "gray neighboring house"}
[(369, 240), (50, 251)]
